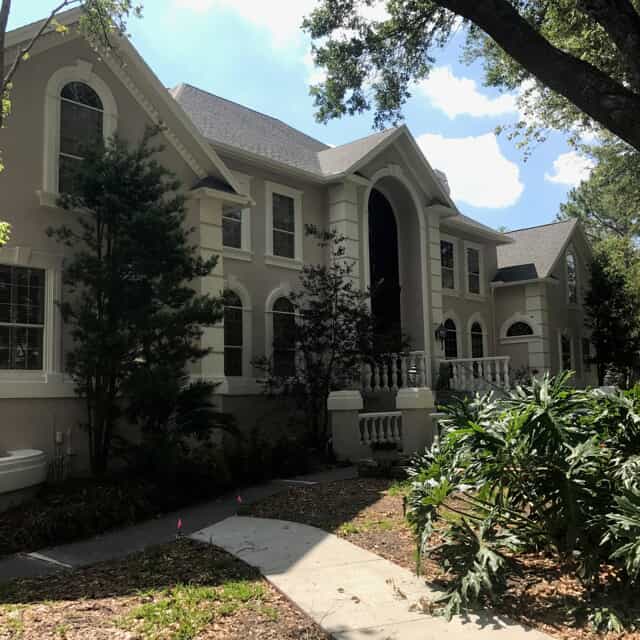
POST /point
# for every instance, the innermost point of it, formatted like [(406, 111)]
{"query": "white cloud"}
[(315, 75), (477, 171), (461, 96), (570, 168), (281, 19)]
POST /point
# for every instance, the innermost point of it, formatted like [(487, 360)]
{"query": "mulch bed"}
[(97, 602), (365, 512)]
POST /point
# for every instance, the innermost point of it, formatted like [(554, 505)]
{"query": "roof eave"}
[(29, 31), (497, 236), (499, 284)]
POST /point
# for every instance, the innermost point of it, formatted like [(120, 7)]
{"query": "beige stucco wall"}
[(570, 317), (463, 307), (31, 410)]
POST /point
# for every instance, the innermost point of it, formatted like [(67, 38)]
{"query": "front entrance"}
[(385, 274)]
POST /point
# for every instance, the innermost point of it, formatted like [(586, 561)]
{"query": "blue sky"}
[(253, 52)]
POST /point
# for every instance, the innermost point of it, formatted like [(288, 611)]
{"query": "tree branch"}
[(622, 22), (588, 88), (5, 80)]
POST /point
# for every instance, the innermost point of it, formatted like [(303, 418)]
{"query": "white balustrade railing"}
[(383, 426), (393, 371), (477, 374)]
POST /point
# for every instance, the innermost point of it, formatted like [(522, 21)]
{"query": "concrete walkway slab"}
[(352, 593), (122, 542)]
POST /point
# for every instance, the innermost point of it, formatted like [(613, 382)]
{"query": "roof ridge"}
[(260, 113), (371, 135), (539, 226)]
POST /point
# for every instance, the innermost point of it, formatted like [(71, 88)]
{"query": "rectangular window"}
[(284, 231), (473, 270), (448, 264), (21, 318), (565, 351), (586, 354), (232, 227)]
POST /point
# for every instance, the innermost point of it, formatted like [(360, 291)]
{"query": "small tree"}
[(332, 331), (135, 319), (613, 305)]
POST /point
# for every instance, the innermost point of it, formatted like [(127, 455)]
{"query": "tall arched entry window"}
[(572, 278), (451, 339), (385, 272), (81, 126), (284, 345)]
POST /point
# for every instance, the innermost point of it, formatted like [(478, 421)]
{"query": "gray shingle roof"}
[(224, 122), (534, 251)]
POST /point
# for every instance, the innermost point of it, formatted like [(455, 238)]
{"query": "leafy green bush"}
[(548, 468)]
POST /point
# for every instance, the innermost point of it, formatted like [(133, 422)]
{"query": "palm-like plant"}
[(546, 468)]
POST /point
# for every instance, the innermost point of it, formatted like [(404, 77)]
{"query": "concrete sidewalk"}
[(352, 593), (122, 542)]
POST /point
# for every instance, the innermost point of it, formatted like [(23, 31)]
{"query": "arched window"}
[(572, 278), (451, 339), (518, 329), (284, 347), (233, 334), (477, 341), (81, 125)]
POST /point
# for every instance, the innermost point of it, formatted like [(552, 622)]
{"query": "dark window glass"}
[(473, 270), (565, 349), (477, 347), (284, 335), (283, 226), (232, 227), (81, 125), (519, 329), (21, 317), (448, 266), (233, 338), (451, 339)]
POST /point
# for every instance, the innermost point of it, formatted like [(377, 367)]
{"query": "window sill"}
[(519, 339), (285, 263), (453, 293), (242, 386), (35, 384), (479, 297), (233, 253)]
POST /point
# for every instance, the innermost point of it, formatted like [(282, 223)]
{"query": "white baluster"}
[(376, 376), (506, 373), (394, 371), (403, 371), (367, 371), (385, 374)]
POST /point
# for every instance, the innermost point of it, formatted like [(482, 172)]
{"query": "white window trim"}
[(234, 285), (518, 317), (567, 333), (283, 290), (279, 261), (49, 382), (82, 71), (452, 315), (477, 317), (456, 266), (570, 250), (244, 253), (480, 249)]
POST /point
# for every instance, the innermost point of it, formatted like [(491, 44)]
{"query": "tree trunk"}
[(611, 104)]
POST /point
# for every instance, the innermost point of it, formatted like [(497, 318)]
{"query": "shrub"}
[(548, 468)]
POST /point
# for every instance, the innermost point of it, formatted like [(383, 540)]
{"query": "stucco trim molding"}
[(519, 317)]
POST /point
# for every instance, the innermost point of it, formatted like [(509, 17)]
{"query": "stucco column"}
[(344, 407), (344, 220), (435, 286), (204, 213), (418, 431), (536, 308)]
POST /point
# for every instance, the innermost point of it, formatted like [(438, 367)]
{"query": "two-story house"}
[(487, 304)]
